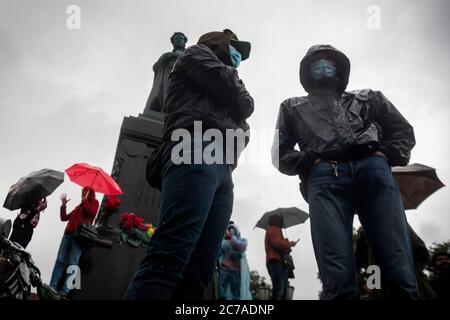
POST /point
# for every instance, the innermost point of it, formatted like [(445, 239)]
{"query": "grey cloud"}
[(63, 95)]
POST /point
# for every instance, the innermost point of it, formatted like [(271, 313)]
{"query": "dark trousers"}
[(196, 206), (279, 276), (365, 186)]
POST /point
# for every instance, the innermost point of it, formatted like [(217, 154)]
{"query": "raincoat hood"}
[(340, 59), (235, 227), (219, 42)]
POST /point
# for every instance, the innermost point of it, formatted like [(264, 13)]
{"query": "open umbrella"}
[(86, 175), (416, 182), (35, 186), (291, 217)]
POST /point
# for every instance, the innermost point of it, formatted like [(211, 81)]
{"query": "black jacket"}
[(348, 125), (203, 88)]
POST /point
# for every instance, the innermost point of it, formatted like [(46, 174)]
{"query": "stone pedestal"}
[(139, 136), (111, 270)]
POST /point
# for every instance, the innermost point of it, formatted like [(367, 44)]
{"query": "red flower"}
[(129, 221), (112, 203), (143, 227)]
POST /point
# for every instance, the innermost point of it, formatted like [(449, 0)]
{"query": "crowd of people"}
[(348, 141), (70, 249)]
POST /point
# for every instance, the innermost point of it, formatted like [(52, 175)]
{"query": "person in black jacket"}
[(26, 221), (205, 94), (347, 143)]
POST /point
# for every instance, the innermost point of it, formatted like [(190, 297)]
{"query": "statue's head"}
[(178, 40)]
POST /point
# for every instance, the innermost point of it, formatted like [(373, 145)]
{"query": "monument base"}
[(108, 271)]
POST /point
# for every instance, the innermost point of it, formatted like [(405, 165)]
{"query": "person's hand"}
[(64, 199)]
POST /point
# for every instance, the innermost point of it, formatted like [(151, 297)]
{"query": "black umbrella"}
[(35, 186), (416, 182), (291, 217)]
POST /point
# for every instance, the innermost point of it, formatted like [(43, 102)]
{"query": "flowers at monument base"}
[(151, 230), (111, 207), (134, 231), (112, 203)]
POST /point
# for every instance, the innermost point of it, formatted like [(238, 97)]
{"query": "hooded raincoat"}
[(341, 127), (232, 258)]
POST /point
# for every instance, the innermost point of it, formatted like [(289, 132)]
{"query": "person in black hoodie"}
[(348, 142), (196, 198)]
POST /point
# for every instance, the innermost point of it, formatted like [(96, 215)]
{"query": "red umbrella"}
[(86, 175)]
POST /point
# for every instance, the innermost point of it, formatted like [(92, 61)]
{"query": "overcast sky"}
[(64, 93)]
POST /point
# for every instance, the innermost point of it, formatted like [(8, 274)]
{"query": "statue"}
[(162, 68)]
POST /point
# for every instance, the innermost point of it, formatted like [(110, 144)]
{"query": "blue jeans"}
[(280, 281), (230, 279), (365, 186), (68, 255), (196, 206)]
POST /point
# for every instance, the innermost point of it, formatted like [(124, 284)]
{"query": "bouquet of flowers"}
[(134, 231)]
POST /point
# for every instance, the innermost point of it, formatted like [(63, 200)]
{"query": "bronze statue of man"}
[(162, 68)]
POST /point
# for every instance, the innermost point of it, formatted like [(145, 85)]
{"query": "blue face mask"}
[(323, 69), (235, 57)]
